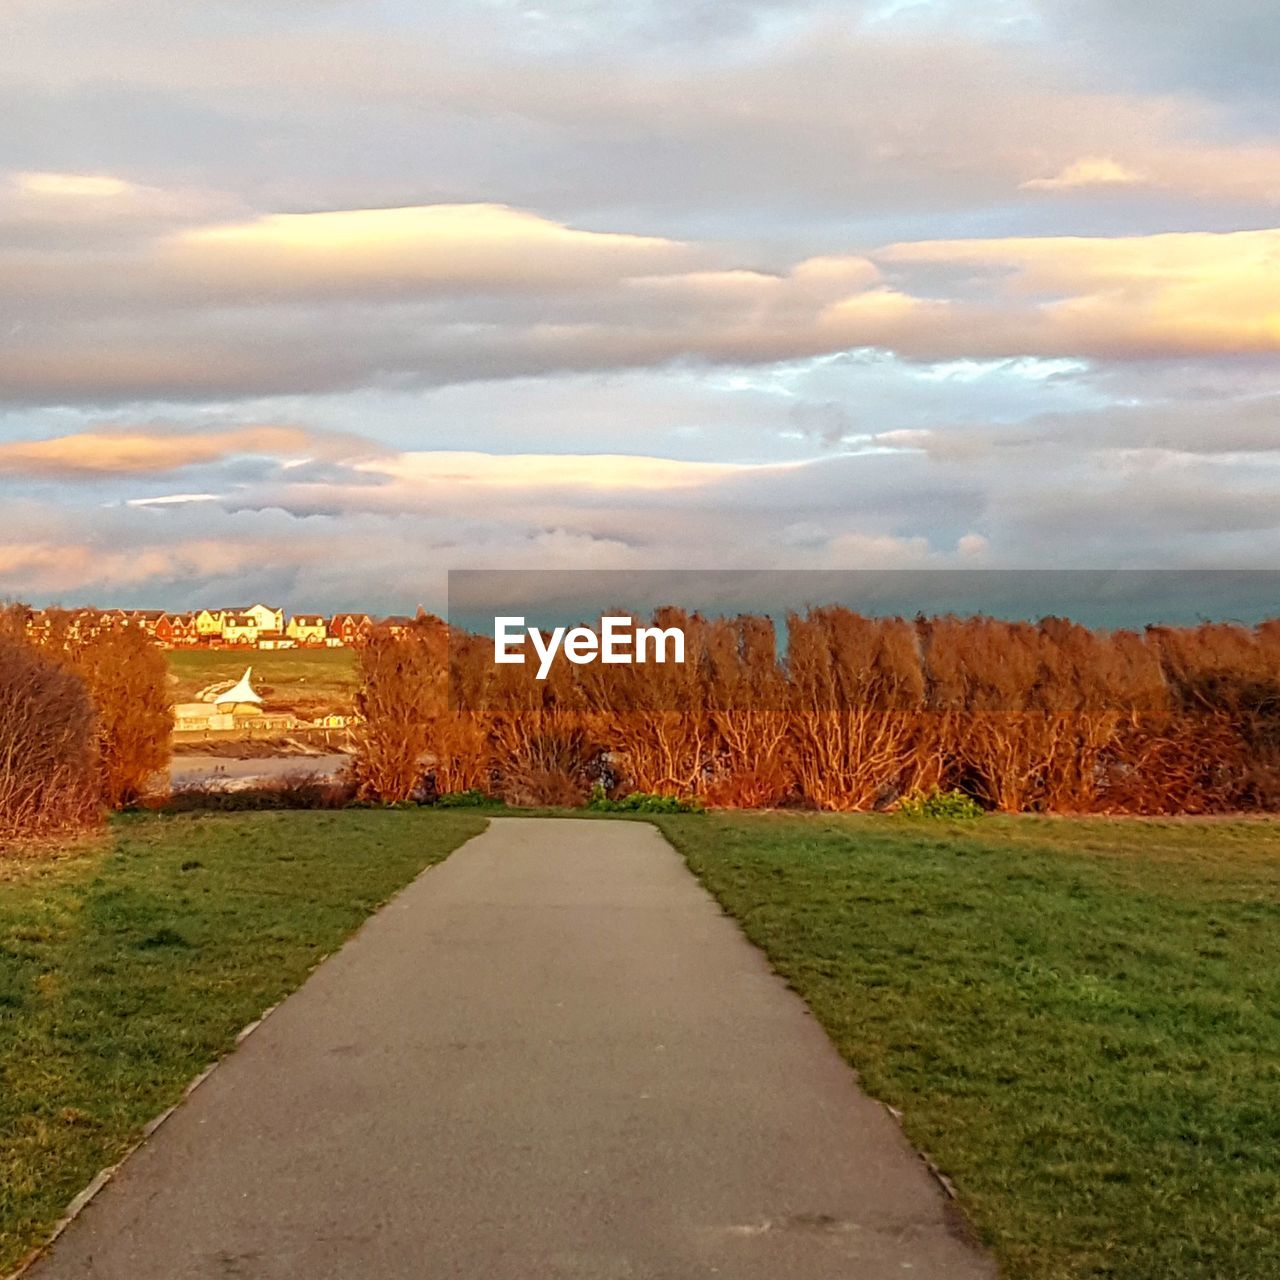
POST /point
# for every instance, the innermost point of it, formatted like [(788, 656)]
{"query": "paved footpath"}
[(551, 1057)]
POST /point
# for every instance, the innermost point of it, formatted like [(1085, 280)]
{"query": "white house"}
[(265, 616)]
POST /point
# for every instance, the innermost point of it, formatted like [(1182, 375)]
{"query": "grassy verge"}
[(1080, 1020), (125, 969)]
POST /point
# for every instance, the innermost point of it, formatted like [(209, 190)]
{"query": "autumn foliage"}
[(125, 677), (853, 713), (402, 689), (49, 780)]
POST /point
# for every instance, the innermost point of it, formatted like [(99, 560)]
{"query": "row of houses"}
[(253, 626)]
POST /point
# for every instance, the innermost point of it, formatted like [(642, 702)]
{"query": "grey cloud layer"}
[(831, 114), (314, 299), (453, 293), (1082, 490)]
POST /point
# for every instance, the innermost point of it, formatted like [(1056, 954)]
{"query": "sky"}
[(313, 301)]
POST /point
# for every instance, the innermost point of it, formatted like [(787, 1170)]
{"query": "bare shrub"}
[(1228, 677), (657, 725), (1047, 716), (402, 692), (127, 677), (546, 757), (856, 694), (753, 762), (48, 746)]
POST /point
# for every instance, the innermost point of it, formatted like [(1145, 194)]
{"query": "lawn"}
[(127, 967), (1080, 1020), (308, 682)]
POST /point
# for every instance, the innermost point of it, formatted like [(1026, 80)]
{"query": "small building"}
[(176, 630), (146, 620), (265, 616), (242, 698), (209, 623), (237, 710), (183, 629), (240, 629), (308, 629), (83, 624), (398, 624), (351, 628)]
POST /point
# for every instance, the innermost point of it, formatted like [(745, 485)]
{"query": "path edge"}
[(957, 1218), (87, 1194)]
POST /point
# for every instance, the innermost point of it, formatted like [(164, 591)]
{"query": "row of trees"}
[(83, 725), (855, 713)]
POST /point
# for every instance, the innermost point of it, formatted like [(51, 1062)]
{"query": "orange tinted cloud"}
[(453, 293), (123, 452), (53, 566), (404, 250), (1188, 293)]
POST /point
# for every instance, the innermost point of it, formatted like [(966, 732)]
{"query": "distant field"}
[(308, 682)]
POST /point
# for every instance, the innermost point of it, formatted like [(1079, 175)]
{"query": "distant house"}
[(351, 628), (182, 627), (240, 628), (39, 627), (176, 630), (249, 626), (308, 629), (267, 617), (143, 619), (81, 624), (398, 624), (208, 623)]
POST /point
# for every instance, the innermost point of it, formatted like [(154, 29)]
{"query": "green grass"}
[(300, 680), (1079, 1019), (127, 967)]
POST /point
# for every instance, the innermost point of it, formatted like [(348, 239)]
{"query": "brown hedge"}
[(49, 757), (858, 711)]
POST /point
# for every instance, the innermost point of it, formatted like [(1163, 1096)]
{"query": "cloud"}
[(425, 471), (1154, 432), (1066, 490), (172, 499), (1088, 171), (50, 221), (605, 277), (73, 185), (408, 252), (135, 451), (1229, 49), (433, 296), (52, 567), (1112, 297), (805, 117)]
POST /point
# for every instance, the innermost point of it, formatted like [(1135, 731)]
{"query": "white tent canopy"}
[(242, 692)]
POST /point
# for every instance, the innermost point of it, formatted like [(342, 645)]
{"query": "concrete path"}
[(551, 1057)]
